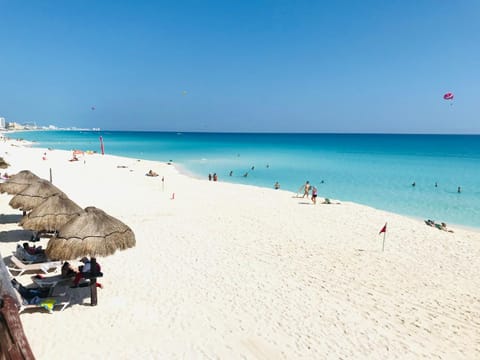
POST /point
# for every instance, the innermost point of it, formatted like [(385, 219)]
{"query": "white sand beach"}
[(225, 271)]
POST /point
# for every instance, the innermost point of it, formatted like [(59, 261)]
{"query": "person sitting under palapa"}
[(30, 254), (33, 250), (30, 295), (83, 272)]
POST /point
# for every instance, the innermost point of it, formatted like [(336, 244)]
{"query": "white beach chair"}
[(20, 267), (21, 254), (46, 304), (50, 281)]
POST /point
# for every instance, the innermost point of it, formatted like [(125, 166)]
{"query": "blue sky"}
[(264, 65)]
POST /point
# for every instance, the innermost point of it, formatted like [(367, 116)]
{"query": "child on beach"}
[(314, 195)]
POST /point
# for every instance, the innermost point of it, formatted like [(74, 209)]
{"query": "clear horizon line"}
[(250, 132)]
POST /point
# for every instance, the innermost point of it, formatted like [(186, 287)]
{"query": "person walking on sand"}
[(314, 195), (306, 189)]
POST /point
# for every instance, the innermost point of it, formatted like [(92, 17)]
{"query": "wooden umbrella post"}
[(93, 282)]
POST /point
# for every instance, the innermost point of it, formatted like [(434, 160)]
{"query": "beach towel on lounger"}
[(48, 304)]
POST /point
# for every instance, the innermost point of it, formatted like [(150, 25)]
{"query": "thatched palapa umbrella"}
[(51, 214), (34, 195), (3, 163), (18, 182), (93, 233)]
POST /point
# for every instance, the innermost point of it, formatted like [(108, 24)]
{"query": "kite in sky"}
[(448, 96)]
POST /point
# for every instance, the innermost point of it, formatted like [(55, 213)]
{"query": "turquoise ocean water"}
[(376, 170)]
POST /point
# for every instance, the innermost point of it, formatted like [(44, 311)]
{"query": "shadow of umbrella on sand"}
[(33, 195), (92, 233), (18, 182), (51, 214)]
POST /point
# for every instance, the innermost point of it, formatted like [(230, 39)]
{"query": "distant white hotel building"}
[(2, 123), (15, 126)]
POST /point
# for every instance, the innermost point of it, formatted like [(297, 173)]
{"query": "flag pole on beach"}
[(384, 231), (101, 146)]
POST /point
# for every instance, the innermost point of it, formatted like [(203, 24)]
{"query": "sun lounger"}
[(47, 303), (24, 256), (50, 281), (20, 267)]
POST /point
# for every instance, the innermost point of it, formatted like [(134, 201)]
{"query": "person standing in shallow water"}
[(459, 190), (306, 189), (314, 195)]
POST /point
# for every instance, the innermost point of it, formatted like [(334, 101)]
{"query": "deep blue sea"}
[(376, 170)]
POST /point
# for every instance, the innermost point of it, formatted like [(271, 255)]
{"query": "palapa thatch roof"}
[(93, 233), (51, 214), (3, 163), (34, 194), (18, 182)]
